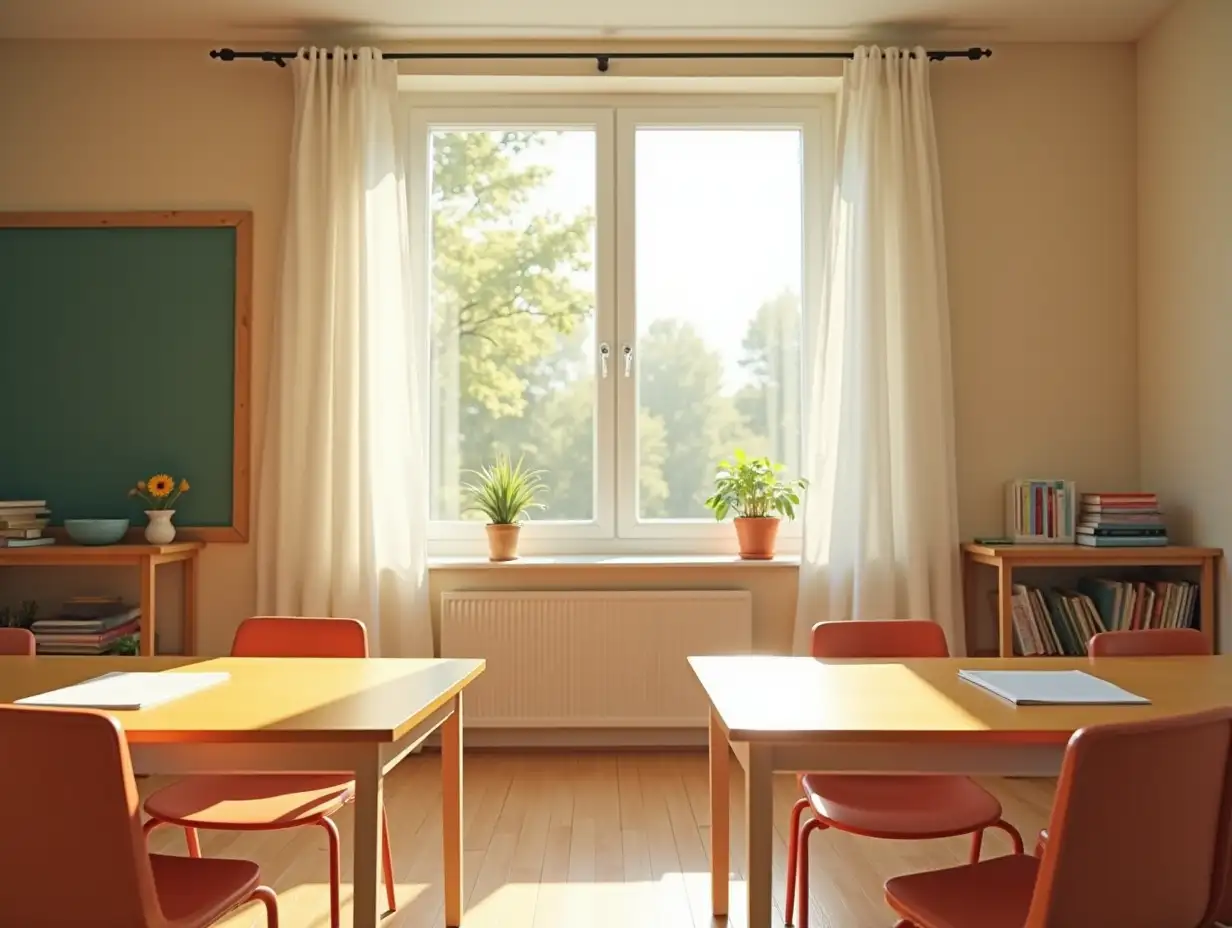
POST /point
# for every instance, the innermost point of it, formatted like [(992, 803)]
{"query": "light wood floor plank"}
[(600, 839)]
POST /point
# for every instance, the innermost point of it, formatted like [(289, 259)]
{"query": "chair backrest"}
[(1149, 642), (1140, 827), (895, 638), (71, 848), (287, 636), (1162, 642), (17, 641)]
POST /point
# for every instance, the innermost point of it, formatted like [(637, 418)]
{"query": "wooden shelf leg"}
[(147, 607), (1005, 609), (189, 645), (1207, 620)]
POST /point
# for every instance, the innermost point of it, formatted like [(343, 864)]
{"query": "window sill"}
[(610, 560)]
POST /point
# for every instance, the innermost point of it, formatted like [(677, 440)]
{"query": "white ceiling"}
[(963, 21)]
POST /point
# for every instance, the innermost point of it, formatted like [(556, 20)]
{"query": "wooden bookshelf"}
[(1005, 559)]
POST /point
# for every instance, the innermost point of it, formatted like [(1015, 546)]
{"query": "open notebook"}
[(1051, 687), (126, 691)]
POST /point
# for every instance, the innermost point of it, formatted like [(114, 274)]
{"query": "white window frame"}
[(616, 528)]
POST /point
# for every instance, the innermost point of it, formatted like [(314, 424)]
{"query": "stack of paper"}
[(122, 692), (1051, 687)]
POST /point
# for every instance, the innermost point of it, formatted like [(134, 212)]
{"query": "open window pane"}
[(719, 274), (512, 253)]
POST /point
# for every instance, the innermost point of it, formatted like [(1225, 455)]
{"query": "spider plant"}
[(505, 492)]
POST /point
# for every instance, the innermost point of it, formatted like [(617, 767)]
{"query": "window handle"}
[(604, 351), (628, 353)]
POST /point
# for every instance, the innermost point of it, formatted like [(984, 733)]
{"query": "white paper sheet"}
[(127, 691), (1051, 687)]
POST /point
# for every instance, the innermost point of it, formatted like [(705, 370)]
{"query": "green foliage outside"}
[(513, 322)]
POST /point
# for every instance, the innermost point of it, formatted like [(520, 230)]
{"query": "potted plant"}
[(160, 493), (504, 492), (752, 489)]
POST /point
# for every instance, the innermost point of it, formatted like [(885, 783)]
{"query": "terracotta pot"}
[(757, 537), (503, 542)]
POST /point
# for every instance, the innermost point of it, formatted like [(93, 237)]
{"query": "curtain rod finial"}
[(223, 54)]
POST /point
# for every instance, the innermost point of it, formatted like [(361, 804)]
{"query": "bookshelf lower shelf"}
[(1006, 559)]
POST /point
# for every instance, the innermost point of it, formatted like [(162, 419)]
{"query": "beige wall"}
[(1185, 272), (1037, 148)]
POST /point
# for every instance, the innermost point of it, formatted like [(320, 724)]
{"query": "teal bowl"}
[(96, 531)]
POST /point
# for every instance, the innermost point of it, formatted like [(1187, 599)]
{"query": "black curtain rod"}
[(602, 59)]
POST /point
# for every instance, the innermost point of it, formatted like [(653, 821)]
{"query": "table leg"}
[(189, 645), (367, 853), (759, 835), (451, 812), (720, 817), (148, 598)]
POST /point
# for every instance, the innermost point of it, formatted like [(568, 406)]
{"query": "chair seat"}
[(196, 891), (994, 893), (901, 807), (255, 801)]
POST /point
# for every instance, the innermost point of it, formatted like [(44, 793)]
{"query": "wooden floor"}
[(604, 840)]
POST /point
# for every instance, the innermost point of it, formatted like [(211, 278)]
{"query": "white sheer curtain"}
[(881, 521), (342, 506)]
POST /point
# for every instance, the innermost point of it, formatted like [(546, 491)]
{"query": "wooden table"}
[(1005, 559), (915, 716), (359, 716), (146, 558)]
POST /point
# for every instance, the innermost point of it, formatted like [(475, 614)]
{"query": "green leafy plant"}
[(21, 617), (128, 645), (505, 492), (751, 488)]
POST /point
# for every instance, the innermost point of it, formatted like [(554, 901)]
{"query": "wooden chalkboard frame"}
[(241, 221)]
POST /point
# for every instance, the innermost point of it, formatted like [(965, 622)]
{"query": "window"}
[(616, 296)]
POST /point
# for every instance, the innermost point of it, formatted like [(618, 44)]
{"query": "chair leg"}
[(977, 841), (194, 843), (267, 896), (335, 873), (810, 826), (387, 862), (149, 826), (793, 847), (1012, 832)]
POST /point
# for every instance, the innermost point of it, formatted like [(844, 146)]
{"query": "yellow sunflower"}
[(160, 486)]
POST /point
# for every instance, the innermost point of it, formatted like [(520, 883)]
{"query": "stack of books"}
[(1040, 511), (1063, 621), (87, 625), (22, 523), (1121, 520)]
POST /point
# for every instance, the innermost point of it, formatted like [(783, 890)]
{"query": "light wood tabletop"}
[(780, 714), (266, 699), (360, 716), (801, 699)]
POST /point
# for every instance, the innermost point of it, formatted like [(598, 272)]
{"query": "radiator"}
[(594, 659)]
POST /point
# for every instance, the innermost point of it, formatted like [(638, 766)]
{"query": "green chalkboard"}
[(123, 353)]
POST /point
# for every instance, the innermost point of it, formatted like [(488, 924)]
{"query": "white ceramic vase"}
[(160, 531)]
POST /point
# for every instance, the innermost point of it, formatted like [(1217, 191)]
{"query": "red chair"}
[(895, 807), (17, 641), (264, 802), (1150, 642), (71, 848), (1163, 866)]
